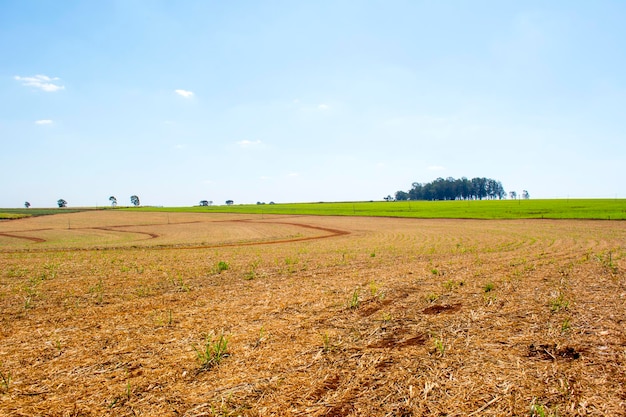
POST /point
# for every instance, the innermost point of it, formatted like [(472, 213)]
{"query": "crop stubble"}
[(452, 317)]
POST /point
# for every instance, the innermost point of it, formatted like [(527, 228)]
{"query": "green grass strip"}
[(601, 209)]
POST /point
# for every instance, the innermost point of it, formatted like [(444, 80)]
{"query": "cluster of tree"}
[(513, 195), (453, 189), (134, 200)]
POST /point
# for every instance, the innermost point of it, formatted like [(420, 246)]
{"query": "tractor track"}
[(331, 232)]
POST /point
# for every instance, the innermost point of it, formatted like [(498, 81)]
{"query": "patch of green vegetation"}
[(353, 301), (605, 209), (215, 349), (18, 213), (559, 303), (222, 266)]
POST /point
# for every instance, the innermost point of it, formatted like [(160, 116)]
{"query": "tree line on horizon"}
[(456, 189)]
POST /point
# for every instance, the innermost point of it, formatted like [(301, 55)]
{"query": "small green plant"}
[(251, 274), (439, 346), (215, 349), (263, 336), (566, 325), (50, 271), (5, 380), (606, 259), (559, 303), (180, 284), (386, 317), (373, 255), (327, 345), (435, 271), (432, 297), (291, 264), (98, 291), (540, 410), (373, 288), (489, 298), (222, 266), (490, 286), (449, 285), (165, 320), (353, 302)]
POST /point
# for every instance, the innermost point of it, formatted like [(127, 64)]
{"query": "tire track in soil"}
[(30, 238), (331, 233)]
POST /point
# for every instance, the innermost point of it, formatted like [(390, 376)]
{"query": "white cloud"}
[(293, 174), (184, 93), (265, 178), (436, 168), (44, 122), (43, 82), (323, 107), (249, 143)]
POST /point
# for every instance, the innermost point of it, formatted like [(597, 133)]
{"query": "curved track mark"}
[(331, 233), (112, 229), (32, 239)]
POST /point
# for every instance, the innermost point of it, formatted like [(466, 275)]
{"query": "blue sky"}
[(291, 101)]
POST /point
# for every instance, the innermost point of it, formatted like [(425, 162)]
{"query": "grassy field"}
[(486, 209), (592, 209), (127, 313), (19, 213)]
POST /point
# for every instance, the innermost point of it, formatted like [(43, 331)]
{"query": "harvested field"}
[(103, 313)]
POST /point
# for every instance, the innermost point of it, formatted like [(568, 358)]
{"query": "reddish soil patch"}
[(438, 309), (392, 342), (553, 352)]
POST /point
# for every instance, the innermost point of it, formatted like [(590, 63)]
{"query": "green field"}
[(13, 213), (605, 209), (601, 209)]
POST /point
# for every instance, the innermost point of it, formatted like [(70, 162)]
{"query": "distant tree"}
[(271, 202), (62, 203), (229, 202), (452, 189), (27, 204), (134, 200), (204, 203), (210, 202), (525, 195), (513, 195), (113, 201), (388, 198), (402, 196)]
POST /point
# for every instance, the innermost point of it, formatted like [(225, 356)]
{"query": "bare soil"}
[(102, 313)]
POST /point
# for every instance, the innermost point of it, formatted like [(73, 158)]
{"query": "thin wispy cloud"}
[(293, 174), (184, 93), (247, 144), (323, 107), (42, 82), (44, 122)]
